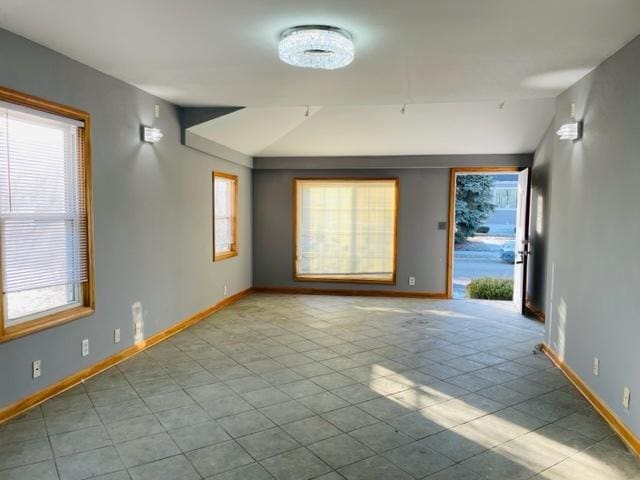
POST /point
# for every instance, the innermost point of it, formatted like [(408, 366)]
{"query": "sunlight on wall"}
[(561, 324), (138, 321), (551, 318), (539, 215)]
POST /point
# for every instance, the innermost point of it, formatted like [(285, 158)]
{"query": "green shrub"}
[(487, 288), (482, 229)]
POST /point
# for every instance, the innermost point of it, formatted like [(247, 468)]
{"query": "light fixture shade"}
[(151, 135), (316, 46), (570, 131)]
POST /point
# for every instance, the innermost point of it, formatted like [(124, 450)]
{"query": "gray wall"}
[(424, 201), (152, 206), (539, 220), (593, 260)]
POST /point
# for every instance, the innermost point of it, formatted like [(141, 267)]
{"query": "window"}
[(45, 221), (346, 230), (225, 242)]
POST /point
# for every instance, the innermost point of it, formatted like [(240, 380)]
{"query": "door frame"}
[(453, 173)]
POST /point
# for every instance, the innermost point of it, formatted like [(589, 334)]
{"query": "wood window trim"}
[(352, 280), (217, 257), (87, 306)]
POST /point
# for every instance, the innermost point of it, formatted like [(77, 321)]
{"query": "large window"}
[(45, 227), (225, 242), (346, 230)]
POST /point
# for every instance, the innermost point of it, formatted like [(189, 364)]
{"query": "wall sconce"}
[(570, 131), (151, 134)]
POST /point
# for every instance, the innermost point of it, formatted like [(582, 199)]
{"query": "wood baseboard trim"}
[(349, 292), (74, 379), (534, 311), (626, 435)]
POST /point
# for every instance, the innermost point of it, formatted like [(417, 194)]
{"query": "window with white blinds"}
[(346, 230), (43, 213), (224, 215)]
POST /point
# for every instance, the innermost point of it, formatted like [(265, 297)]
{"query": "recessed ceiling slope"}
[(225, 52), (252, 130), (441, 128)]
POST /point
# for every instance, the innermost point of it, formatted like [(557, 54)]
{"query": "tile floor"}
[(310, 387)]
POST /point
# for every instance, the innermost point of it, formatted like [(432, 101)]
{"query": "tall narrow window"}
[(225, 243), (346, 230), (44, 215)]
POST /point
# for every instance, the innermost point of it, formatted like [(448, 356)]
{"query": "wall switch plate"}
[(412, 281), (156, 111), (116, 335), (85, 347), (226, 290), (626, 398), (596, 366), (36, 368)]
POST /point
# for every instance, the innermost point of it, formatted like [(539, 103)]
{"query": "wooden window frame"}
[(234, 216), (87, 304), (327, 279)]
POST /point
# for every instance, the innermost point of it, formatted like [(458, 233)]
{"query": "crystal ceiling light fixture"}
[(316, 46)]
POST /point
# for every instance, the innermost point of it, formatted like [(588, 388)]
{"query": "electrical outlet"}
[(226, 290), (412, 281), (36, 368), (116, 335), (596, 366), (626, 398), (85, 347)]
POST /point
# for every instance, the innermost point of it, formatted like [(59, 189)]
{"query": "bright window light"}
[(346, 230)]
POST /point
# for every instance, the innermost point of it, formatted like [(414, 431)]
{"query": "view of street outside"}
[(489, 248), (480, 257)]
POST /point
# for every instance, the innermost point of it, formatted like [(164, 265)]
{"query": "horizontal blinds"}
[(43, 217), (346, 228)]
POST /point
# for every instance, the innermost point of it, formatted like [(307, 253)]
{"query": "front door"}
[(522, 241)]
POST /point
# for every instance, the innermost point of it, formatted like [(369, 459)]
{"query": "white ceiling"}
[(224, 52)]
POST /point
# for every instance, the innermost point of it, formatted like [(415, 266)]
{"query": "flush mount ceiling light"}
[(316, 46)]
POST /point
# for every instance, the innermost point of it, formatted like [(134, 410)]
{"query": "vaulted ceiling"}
[(453, 61)]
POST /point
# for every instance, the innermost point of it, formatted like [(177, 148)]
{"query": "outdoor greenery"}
[(474, 195), (487, 288)]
